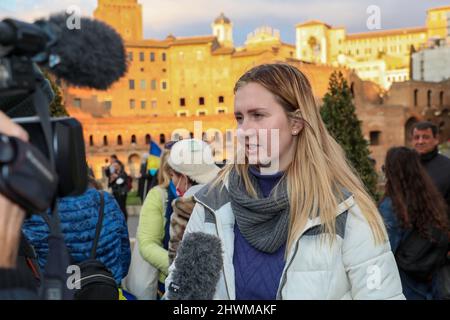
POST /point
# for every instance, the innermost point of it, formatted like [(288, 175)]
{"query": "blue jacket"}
[(412, 289), (395, 232), (79, 216)]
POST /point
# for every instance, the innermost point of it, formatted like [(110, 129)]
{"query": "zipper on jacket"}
[(217, 231), (284, 276)]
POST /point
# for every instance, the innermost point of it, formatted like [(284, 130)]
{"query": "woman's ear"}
[(297, 125)]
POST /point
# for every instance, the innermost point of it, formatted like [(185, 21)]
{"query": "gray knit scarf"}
[(262, 221)]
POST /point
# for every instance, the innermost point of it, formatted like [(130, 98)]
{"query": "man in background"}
[(426, 141)]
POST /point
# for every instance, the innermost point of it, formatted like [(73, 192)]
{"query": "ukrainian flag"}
[(153, 161)]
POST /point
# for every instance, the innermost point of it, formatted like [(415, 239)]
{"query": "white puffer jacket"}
[(353, 268)]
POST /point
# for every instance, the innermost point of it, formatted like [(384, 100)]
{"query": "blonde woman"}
[(308, 230), (153, 222)]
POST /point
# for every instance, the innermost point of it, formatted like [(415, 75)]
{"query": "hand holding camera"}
[(11, 215), (43, 158)]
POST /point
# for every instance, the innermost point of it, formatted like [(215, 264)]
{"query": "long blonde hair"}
[(319, 171), (164, 170)]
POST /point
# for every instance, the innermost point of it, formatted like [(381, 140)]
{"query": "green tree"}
[(57, 108), (338, 113)]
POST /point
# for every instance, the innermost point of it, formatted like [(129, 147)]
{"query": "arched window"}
[(162, 138), (133, 139), (229, 137), (91, 140), (375, 138), (147, 139), (416, 96), (441, 98), (409, 125), (429, 98), (105, 140), (217, 137), (119, 140)]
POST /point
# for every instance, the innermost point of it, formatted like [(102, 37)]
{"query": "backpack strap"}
[(99, 226), (28, 257)]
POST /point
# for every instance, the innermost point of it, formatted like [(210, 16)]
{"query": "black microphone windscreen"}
[(92, 56), (198, 265)]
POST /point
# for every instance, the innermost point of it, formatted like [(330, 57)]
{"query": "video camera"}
[(53, 164), (68, 149)]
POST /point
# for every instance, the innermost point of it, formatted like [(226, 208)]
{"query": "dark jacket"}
[(21, 283), (438, 167), (120, 185), (16, 285), (412, 289), (146, 181)]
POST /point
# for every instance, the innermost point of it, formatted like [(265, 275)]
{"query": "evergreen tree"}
[(338, 113), (57, 108)]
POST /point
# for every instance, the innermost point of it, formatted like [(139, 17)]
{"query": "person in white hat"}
[(183, 171), (192, 166), (192, 163)]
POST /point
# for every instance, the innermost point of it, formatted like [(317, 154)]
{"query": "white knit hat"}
[(193, 158)]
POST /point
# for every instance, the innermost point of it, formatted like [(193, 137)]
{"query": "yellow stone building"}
[(177, 76), (124, 15), (171, 83), (188, 76), (379, 56), (438, 20)]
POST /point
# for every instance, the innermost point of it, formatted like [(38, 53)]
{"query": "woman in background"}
[(79, 217), (411, 201)]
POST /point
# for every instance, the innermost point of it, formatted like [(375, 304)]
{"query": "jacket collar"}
[(427, 157), (217, 197)]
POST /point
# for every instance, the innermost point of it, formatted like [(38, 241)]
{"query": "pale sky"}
[(194, 17)]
